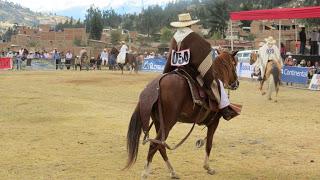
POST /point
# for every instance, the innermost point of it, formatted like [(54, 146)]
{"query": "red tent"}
[(279, 13)]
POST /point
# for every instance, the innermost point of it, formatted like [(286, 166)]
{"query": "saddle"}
[(209, 108)]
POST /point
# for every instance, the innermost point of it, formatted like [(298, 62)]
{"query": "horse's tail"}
[(275, 72), (133, 137)]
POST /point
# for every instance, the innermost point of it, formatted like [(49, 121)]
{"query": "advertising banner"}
[(5, 63), (43, 64), (154, 64), (315, 83), (245, 70), (293, 74)]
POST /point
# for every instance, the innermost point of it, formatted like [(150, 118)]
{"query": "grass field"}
[(73, 125)]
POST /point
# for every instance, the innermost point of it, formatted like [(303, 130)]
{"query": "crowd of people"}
[(314, 68), (70, 60)]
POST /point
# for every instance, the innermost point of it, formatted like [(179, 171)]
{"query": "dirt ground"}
[(73, 125)]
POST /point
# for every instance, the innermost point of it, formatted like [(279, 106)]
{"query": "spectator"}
[(295, 62), (56, 57), (112, 60), (30, 56), (303, 39), (302, 63), (63, 60), (283, 51), (84, 58), (77, 62), (68, 59), (314, 46), (104, 56), (288, 61), (317, 67), (311, 69), (46, 55), (19, 59), (309, 64), (99, 62)]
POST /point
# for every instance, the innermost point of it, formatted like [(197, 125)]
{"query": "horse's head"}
[(225, 69), (114, 51), (253, 57)]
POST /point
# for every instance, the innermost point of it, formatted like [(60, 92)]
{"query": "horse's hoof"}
[(144, 176), (263, 93), (211, 171), (275, 101), (269, 99), (174, 176)]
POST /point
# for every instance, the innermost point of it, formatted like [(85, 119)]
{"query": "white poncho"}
[(267, 52)]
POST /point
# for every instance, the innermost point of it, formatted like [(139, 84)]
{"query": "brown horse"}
[(131, 60), (272, 76), (174, 104)]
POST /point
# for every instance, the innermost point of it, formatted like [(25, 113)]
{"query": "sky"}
[(77, 8)]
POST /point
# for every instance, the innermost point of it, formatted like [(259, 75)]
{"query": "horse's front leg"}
[(211, 129), (261, 87)]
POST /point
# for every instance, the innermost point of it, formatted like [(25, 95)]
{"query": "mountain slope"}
[(13, 13)]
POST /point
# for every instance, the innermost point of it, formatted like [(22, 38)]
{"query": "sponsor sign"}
[(5, 63), (293, 74), (245, 70), (43, 64), (315, 83), (154, 64)]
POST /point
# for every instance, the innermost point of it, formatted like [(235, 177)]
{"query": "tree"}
[(245, 7), (219, 16), (166, 34), (77, 42), (94, 23), (115, 37), (111, 18)]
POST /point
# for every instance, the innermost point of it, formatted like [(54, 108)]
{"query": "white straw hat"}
[(261, 44), (270, 40), (184, 21)]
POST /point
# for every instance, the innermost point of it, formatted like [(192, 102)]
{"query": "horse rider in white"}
[(122, 54), (268, 52)]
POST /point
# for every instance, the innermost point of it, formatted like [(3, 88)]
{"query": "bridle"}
[(234, 85)]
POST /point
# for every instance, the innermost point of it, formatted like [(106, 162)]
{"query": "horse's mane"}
[(220, 64), (114, 51)]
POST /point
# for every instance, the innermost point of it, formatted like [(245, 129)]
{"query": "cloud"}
[(61, 5)]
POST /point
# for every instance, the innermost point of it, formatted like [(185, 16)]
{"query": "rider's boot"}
[(228, 113)]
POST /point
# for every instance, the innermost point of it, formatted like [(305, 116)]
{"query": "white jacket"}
[(267, 52)]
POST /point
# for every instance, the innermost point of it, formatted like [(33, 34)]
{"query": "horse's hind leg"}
[(152, 150), (164, 155), (277, 91), (211, 129), (147, 167)]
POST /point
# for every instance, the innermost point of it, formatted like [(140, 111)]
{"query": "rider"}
[(197, 51), (122, 54), (269, 52)]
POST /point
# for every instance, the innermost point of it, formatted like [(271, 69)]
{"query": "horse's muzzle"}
[(234, 85)]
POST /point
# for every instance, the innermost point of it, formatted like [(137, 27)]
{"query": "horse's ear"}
[(219, 51), (234, 53)]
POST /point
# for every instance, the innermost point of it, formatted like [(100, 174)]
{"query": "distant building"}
[(45, 38)]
